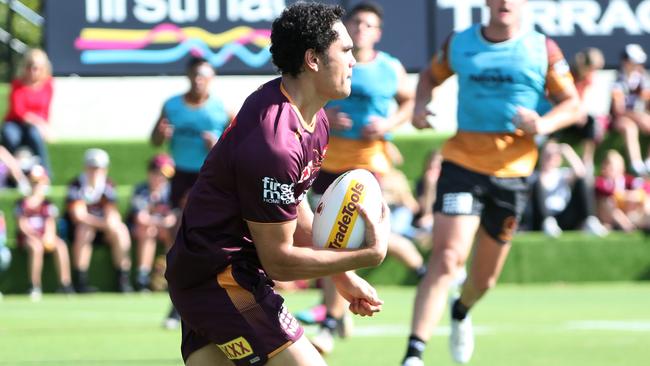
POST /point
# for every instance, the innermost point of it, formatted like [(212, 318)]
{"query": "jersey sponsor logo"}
[(276, 192), (492, 77), (236, 349), (457, 203), (347, 216)]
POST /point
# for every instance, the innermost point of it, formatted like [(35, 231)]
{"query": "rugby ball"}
[(337, 223)]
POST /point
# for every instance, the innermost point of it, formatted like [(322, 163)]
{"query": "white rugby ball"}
[(337, 223)]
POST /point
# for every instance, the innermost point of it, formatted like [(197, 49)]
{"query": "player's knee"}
[(447, 261)]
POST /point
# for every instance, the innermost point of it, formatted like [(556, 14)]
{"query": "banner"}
[(153, 37)]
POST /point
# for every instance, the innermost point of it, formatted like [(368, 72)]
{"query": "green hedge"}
[(534, 258)]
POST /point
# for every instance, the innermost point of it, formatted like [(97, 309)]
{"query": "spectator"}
[(151, 218), (561, 199), (589, 129), (36, 217), (91, 210), (192, 123), (27, 121), (630, 100), (622, 199)]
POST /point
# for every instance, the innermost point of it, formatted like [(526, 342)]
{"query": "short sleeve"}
[(266, 185), (74, 193), (109, 192), (558, 75), (440, 67)]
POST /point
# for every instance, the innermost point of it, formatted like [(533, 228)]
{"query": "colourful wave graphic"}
[(106, 38), (106, 46)]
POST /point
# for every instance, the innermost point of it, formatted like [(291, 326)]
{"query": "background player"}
[(504, 74)]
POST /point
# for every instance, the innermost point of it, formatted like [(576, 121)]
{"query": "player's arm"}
[(405, 99), (284, 261), (162, 131), (430, 78), (561, 91)]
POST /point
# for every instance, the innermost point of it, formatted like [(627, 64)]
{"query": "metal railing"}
[(7, 36)]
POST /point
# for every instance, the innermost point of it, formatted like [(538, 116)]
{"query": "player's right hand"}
[(377, 232), (165, 129), (421, 115), (359, 293)]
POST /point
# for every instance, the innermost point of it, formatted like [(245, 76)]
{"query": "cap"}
[(38, 174), (96, 158), (634, 53), (163, 163)]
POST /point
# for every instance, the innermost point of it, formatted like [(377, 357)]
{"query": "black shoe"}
[(125, 288), (85, 289), (65, 289)]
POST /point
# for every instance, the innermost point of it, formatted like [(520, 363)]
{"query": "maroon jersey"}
[(259, 171), (36, 216)]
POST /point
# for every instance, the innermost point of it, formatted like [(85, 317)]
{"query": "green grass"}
[(577, 325)]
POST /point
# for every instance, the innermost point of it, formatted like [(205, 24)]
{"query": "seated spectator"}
[(36, 217), (560, 197), (91, 210), (151, 218), (630, 100), (589, 129), (27, 120), (623, 200)]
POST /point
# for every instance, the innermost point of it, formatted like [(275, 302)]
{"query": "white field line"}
[(394, 330)]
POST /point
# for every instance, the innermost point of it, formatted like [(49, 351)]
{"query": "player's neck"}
[(364, 55), (304, 96), (494, 32)]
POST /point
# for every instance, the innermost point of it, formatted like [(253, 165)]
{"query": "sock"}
[(143, 278), (415, 348), (421, 271), (458, 310), (329, 322), (80, 278)]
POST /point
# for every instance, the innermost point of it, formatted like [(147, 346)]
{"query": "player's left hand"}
[(527, 120), (359, 293)]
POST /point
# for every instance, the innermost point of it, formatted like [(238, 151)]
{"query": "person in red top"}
[(27, 121)]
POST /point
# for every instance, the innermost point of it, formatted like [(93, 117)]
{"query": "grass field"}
[(577, 325)]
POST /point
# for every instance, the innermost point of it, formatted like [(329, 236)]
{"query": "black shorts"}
[(181, 183), (499, 202), (239, 312)]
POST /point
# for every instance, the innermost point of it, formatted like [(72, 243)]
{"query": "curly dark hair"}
[(302, 26)]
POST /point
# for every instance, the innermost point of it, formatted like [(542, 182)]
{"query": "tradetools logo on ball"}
[(347, 216)]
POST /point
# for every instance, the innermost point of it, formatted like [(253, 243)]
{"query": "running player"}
[(504, 74), (360, 126), (246, 221)]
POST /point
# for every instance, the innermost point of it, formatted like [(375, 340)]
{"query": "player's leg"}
[(300, 353), (487, 262), (336, 307), (210, 355), (630, 131), (405, 252), (452, 240)]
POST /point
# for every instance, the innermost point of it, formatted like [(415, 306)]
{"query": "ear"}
[(312, 60)]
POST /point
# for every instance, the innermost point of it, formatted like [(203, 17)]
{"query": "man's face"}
[(334, 75), (365, 29), (200, 78), (505, 12)]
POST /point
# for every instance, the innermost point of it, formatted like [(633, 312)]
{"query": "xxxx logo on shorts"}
[(236, 349)]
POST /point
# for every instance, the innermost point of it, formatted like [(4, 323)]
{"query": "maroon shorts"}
[(240, 313)]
